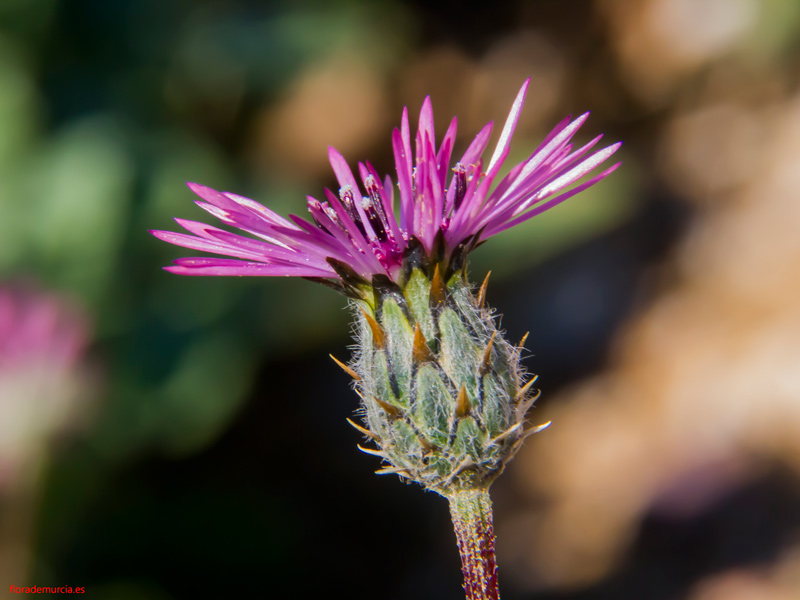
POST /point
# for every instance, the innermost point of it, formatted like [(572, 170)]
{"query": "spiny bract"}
[(443, 393)]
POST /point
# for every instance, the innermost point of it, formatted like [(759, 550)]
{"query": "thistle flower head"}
[(444, 396), (361, 232)]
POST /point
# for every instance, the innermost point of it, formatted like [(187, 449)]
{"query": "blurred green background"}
[(214, 460)]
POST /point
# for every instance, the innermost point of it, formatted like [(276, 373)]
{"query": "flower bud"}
[(444, 395)]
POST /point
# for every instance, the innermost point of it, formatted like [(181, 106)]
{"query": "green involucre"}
[(443, 410)]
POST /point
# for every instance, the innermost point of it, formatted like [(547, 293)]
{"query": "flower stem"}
[(471, 510)]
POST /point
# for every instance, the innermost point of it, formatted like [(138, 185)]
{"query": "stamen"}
[(460, 183), (374, 192), (348, 200), (331, 213), (372, 214), (315, 205)]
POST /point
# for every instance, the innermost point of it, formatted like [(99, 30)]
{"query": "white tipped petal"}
[(503, 143)]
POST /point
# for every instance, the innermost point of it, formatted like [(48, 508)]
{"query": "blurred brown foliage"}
[(701, 394)]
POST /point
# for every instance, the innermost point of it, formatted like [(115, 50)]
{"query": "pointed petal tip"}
[(335, 156), (503, 144), (187, 224), (523, 92), (175, 269), (426, 118), (198, 188), (603, 155), (582, 118), (162, 235)]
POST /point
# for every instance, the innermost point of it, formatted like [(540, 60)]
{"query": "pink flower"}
[(357, 234), (42, 345), (38, 329)]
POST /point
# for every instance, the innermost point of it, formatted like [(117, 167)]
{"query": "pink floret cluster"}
[(364, 228)]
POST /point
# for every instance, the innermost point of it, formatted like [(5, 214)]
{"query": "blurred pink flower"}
[(36, 328), (42, 343)]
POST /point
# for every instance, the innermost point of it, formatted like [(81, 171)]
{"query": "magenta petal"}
[(305, 253), (316, 242), (358, 240), (540, 156), (541, 188), (222, 266), (214, 197), (386, 195), (389, 189), (571, 158), (504, 143), (195, 243), (346, 180), (247, 221), (425, 127), (459, 227), (445, 152), (496, 228), (478, 145), (342, 170), (402, 164), (363, 231), (434, 184), (197, 228), (579, 171), (230, 244), (261, 210), (347, 253), (431, 212), (405, 132)]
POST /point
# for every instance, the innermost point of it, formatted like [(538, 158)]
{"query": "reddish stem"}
[(471, 510)]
